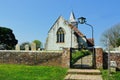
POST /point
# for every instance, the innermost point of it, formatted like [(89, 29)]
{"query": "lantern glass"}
[(82, 20)]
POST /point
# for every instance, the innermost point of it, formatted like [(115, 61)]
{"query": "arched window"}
[(60, 35)]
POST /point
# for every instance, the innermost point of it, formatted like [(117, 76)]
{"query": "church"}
[(65, 34)]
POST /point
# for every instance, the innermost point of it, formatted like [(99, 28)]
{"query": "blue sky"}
[(32, 19)]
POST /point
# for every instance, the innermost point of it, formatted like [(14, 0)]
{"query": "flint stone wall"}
[(49, 58), (114, 56)]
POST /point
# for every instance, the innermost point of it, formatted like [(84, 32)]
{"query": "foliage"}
[(38, 44), (111, 35), (22, 46), (78, 54), (113, 76), (7, 38), (118, 42), (23, 72)]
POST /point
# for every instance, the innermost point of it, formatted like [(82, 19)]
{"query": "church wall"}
[(52, 44)]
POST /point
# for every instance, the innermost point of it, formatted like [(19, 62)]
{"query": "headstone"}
[(113, 66), (38, 49), (17, 47), (119, 48), (33, 46), (26, 47)]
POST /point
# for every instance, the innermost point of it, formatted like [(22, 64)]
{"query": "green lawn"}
[(23, 72), (113, 76)]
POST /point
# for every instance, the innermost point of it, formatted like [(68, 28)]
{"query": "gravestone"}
[(113, 66), (38, 49), (17, 47), (33, 46), (119, 48), (26, 47)]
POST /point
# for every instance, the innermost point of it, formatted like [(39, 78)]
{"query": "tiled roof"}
[(76, 30), (89, 41)]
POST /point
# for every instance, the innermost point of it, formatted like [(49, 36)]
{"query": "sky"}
[(31, 19)]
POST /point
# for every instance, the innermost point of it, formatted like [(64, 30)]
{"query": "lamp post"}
[(108, 45), (82, 20)]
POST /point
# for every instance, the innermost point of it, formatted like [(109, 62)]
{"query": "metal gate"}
[(81, 58)]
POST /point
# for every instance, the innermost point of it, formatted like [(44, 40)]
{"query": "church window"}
[(60, 35)]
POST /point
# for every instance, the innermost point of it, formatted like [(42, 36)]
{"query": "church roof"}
[(76, 30), (89, 41)]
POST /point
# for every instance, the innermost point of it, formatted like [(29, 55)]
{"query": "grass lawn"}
[(113, 76), (23, 72)]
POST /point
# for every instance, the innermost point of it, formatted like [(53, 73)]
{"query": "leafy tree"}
[(118, 42), (7, 39), (112, 36), (38, 43), (22, 46)]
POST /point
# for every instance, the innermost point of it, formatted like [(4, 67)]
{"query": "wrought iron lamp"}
[(82, 20)]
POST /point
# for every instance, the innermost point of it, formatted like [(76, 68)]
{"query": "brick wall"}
[(99, 57), (102, 58), (49, 58), (66, 58), (53, 58), (114, 56)]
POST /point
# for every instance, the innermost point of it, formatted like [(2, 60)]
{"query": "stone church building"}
[(65, 34)]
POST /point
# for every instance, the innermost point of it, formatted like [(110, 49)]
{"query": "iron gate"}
[(81, 58)]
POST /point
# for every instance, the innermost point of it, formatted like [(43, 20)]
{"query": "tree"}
[(7, 39), (22, 46), (111, 35), (118, 42), (38, 43)]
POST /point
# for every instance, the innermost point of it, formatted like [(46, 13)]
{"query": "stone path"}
[(84, 62), (83, 74)]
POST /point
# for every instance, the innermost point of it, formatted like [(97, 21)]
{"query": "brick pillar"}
[(99, 57), (66, 58)]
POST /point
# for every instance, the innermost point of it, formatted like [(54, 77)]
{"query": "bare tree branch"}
[(112, 34)]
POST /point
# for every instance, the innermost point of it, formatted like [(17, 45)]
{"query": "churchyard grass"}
[(24, 72), (112, 76)]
